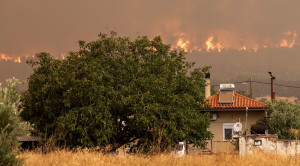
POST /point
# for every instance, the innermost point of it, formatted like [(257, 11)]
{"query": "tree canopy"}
[(282, 117), (114, 91), (10, 126)]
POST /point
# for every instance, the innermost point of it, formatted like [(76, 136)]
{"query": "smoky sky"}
[(55, 26)]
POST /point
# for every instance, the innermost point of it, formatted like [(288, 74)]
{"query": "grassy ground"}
[(65, 158)]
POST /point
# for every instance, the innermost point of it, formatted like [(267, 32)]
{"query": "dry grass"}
[(65, 158)]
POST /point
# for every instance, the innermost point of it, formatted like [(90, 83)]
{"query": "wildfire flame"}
[(63, 56), (9, 58), (18, 60), (182, 44), (5, 57), (211, 44), (208, 43), (285, 42), (255, 48), (243, 48)]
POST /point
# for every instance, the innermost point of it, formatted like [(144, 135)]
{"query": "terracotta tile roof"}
[(239, 102)]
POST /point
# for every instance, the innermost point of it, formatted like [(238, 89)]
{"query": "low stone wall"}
[(268, 143)]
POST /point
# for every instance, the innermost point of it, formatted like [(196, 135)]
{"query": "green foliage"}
[(212, 90), (114, 91), (10, 127), (282, 117)]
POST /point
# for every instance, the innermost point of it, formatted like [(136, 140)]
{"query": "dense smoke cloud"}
[(55, 26)]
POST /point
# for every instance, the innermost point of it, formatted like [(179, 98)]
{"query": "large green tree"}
[(282, 117), (115, 91), (10, 125)]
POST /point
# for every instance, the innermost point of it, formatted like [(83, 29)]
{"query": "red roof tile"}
[(240, 101)]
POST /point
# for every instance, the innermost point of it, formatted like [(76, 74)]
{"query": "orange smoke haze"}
[(27, 27)]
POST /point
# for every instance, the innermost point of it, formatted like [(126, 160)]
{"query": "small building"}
[(226, 108), (29, 142)]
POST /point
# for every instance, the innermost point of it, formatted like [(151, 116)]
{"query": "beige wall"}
[(216, 127), (268, 143)]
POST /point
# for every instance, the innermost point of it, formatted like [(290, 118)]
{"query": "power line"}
[(287, 86)]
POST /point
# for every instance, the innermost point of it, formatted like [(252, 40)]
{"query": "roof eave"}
[(231, 109)]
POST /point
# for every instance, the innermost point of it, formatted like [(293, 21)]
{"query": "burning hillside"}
[(220, 43)]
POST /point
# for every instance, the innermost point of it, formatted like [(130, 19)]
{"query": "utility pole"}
[(246, 104), (251, 87), (272, 87)]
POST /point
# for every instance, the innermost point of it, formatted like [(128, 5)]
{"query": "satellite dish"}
[(237, 127)]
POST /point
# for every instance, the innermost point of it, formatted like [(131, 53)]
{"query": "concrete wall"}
[(269, 143), (216, 127)]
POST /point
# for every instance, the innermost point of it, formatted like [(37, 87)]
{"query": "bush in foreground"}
[(282, 118), (10, 126)]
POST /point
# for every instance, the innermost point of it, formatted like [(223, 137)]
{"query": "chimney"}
[(207, 85), (272, 87)]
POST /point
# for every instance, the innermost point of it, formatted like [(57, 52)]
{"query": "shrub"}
[(10, 127)]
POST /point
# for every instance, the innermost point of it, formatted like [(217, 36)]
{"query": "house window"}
[(228, 134), (227, 131)]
